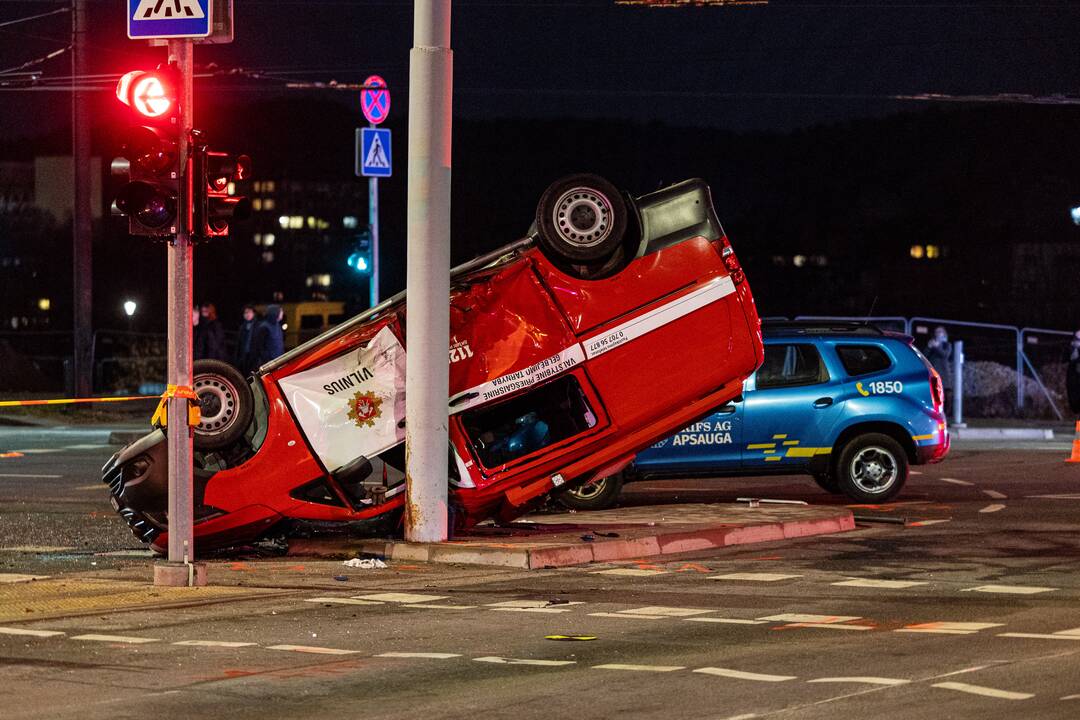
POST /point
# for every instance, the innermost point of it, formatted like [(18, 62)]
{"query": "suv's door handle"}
[(823, 402), (726, 409)]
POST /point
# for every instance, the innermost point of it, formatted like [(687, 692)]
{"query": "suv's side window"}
[(863, 359), (791, 365)]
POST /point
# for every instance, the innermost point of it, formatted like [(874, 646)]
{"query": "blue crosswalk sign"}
[(148, 19), (373, 158)]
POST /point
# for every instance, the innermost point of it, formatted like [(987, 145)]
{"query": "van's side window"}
[(543, 416), (791, 365), (863, 359)]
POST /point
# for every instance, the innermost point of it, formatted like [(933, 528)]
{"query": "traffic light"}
[(360, 259), (150, 160), (212, 174)]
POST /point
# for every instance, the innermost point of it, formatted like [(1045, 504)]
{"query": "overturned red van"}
[(615, 322)]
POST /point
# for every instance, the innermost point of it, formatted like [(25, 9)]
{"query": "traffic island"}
[(564, 539)]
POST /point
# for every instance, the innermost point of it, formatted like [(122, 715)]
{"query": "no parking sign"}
[(375, 102)]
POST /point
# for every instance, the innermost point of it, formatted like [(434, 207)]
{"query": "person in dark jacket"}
[(939, 353), (1072, 374), (209, 341), (269, 340), (244, 357)]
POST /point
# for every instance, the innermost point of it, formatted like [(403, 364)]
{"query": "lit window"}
[(819, 260), (322, 224), (268, 240), (258, 238), (325, 280), (44, 304), (933, 252), (268, 256), (257, 186), (349, 221), (779, 260), (296, 222), (283, 221), (798, 260), (311, 222), (256, 204), (231, 188), (268, 203), (916, 251), (268, 186), (320, 280)]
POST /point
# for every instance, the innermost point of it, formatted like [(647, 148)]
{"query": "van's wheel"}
[(581, 220), (872, 468), (225, 402), (597, 495)]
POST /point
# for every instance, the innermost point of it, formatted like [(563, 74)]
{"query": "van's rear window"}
[(543, 416)]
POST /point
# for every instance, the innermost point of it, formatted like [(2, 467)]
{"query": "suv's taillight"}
[(937, 391), (727, 253)]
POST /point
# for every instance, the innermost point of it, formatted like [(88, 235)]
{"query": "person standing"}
[(269, 340), (210, 340), (1072, 374), (244, 357), (939, 353)]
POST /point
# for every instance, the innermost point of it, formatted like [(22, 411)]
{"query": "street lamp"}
[(1075, 214), (129, 307)]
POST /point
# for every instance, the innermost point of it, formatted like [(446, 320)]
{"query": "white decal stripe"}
[(511, 382), (633, 329)]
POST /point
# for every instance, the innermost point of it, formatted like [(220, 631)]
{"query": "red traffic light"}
[(151, 94)]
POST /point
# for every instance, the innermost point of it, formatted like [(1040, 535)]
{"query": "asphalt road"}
[(969, 610)]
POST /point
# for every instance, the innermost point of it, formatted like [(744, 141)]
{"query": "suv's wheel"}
[(225, 402), (872, 468), (828, 483), (581, 219), (597, 495)]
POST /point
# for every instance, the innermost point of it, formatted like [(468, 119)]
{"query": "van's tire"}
[(581, 220), (871, 468), (597, 495), (226, 404), (828, 483)]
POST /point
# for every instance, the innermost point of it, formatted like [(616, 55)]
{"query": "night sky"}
[(780, 66)]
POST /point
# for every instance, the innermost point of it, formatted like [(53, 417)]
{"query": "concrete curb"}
[(1004, 433), (637, 541)]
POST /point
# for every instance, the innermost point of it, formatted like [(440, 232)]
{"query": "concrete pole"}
[(958, 383), (427, 340), (373, 224), (81, 216), (179, 570)]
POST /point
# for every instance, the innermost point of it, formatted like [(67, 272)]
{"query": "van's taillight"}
[(727, 253), (937, 391)]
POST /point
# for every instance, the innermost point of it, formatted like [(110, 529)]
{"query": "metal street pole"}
[(81, 213), (373, 224), (179, 570), (427, 332)]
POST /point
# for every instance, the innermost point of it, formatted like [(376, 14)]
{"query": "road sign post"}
[(375, 102), (160, 19)]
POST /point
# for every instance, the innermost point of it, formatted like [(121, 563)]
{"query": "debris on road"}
[(365, 563)]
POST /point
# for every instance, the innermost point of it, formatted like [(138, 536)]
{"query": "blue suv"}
[(849, 404)]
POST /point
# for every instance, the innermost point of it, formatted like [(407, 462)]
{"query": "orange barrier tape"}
[(161, 415), (71, 401)]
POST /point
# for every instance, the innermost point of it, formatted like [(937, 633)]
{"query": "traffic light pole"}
[(427, 333), (82, 315), (179, 570)]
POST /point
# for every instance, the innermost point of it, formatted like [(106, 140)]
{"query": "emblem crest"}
[(365, 408)]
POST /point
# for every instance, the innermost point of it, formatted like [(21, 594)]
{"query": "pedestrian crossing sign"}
[(373, 156), (152, 19)]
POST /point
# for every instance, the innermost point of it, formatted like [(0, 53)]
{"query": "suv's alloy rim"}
[(874, 469)]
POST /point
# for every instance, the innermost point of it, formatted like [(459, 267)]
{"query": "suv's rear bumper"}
[(933, 453)]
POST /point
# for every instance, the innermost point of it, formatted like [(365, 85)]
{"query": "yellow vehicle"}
[(305, 320)]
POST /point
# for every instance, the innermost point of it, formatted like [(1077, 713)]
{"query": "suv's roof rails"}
[(818, 327)]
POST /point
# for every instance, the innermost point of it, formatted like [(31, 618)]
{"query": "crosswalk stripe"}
[(741, 675), (726, 621), (868, 680), (639, 668), (116, 639), (948, 628), (984, 691), (401, 597), (421, 655), (312, 650), (1009, 589), (754, 577), (884, 584), (29, 632), (629, 572), (523, 661), (342, 601), (214, 643), (807, 618)]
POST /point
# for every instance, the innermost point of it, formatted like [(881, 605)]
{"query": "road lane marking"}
[(523, 661), (640, 668), (84, 447), (312, 650), (994, 494), (864, 679), (30, 476), (629, 572), (726, 621), (984, 691), (954, 481), (342, 601), (425, 606), (829, 626), (948, 628), (401, 597), (19, 578), (420, 655), (992, 508), (884, 584), (29, 632), (661, 611), (214, 643), (1040, 636), (127, 639), (741, 675), (1071, 496), (1071, 697), (922, 523), (807, 618), (626, 617), (39, 451), (531, 604), (754, 577), (1010, 589)]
